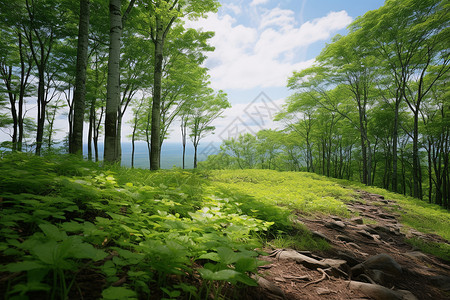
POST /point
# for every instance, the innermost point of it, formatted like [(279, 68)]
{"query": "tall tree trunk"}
[(91, 128), (97, 133), (6, 73), (119, 135), (133, 139), (79, 96), (113, 85), (395, 145), (155, 152), (41, 111), (184, 137), (195, 155), (430, 172), (24, 75)]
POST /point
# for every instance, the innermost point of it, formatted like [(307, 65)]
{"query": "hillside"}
[(72, 229)]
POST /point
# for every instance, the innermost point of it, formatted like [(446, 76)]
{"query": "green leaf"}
[(24, 266), (227, 255), (246, 264), (53, 232), (211, 256), (246, 280), (46, 252), (112, 293), (225, 274), (86, 250)]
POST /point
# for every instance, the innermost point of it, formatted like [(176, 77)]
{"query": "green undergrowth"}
[(146, 235), (71, 229), (307, 193)]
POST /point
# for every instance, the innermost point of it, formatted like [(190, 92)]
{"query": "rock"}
[(442, 282), (336, 218), (381, 228), (382, 262), (344, 238), (349, 258), (365, 234), (419, 256), (357, 220), (366, 228), (386, 216), (380, 277), (322, 291), (335, 225), (379, 292)]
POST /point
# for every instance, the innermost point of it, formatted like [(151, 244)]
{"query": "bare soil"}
[(354, 240)]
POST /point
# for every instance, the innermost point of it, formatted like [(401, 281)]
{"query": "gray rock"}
[(442, 282), (383, 262), (365, 234), (344, 238), (379, 292), (357, 220), (335, 225), (349, 258), (322, 291)]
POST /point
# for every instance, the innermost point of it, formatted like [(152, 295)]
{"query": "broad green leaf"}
[(86, 250), (211, 256), (113, 293), (227, 255), (24, 266), (53, 232), (225, 275), (246, 280)]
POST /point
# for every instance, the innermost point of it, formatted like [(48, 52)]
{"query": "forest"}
[(374, 108), (347, 198)]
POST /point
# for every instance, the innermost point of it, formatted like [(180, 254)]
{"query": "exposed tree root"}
[(324, 275)]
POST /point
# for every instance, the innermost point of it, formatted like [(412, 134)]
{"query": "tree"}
[(164, 14), (347, 63), (408, 40), (116, 21), (207, 107), (76, 140)]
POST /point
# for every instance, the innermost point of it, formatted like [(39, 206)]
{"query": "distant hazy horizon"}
[(171, 154)]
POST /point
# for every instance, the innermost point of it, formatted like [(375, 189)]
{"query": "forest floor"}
[(355, 257)]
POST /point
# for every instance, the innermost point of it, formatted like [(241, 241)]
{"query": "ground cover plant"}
[(73, 229), (137, 233)]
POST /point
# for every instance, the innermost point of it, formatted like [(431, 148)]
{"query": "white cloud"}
[(266, 54), (283, 18), (233, 7), (258, 2)]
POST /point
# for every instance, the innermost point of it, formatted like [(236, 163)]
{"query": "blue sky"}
[(259, 43)]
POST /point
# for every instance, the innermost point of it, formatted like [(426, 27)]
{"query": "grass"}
[(312, 194), (304, 192), (182, 234)]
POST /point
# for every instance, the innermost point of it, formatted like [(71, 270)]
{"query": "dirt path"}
[(368, 252)]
